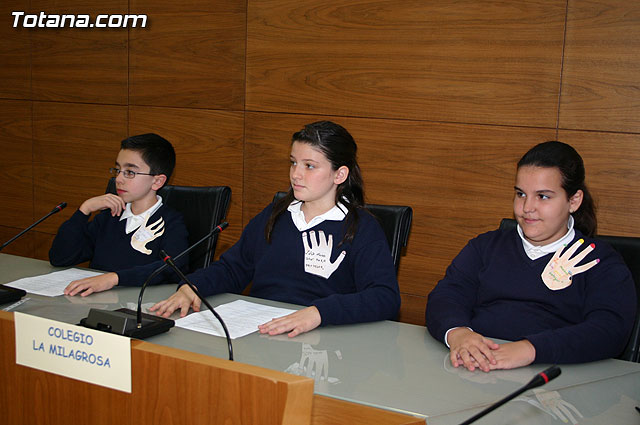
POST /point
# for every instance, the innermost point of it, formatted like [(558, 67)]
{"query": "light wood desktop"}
[(383, 372)]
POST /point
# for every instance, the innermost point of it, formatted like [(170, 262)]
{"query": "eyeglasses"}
[(128, 174)]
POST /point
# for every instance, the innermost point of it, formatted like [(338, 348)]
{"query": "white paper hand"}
[(146, 234), (317, 256), (561, 269)]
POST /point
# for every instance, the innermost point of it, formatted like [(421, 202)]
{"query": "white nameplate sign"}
[(73, 351)]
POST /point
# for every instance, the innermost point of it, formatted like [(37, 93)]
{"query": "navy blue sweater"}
[(494, 288), (104, 242), (363, 288)]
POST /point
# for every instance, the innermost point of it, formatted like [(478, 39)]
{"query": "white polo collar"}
[(534, 252), (337, 213), (134, 221)]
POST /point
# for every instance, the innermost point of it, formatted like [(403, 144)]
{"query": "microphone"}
[(56, 209), (167, 260), (537, 381), (136, 324), (8, 294)]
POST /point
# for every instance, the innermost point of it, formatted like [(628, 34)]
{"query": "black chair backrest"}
[(202, 208), (629, 249), (395, 221)]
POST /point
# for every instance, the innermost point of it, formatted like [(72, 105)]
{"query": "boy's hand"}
[(295, 323), (89, 285), (182, 299), (107, 201)]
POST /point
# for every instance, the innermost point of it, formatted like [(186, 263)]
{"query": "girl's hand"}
[(471, 350), (183, 299), (511, 355), (295, 323)]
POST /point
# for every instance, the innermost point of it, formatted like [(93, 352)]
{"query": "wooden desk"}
[(396, 368)]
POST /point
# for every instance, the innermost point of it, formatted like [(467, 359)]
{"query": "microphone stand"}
[(537, 381), (58, 208), (167, 259), (219, 228), (7, 293)]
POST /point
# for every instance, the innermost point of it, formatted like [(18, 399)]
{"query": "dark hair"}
[(155, 150), (568, 161), (338, 146)]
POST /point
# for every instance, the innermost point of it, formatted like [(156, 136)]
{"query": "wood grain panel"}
[(463, 61), (16, 172), (80, 64), (208, 148), (218, 391), (457, 178), (189, 56), (413, 307), (23, 246), (611, 162), (42, 244), (331, 411), (74, 147), (15, 72), (600, 88)]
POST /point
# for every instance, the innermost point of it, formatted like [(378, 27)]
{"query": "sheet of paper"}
[(241, 317), (51, 284)]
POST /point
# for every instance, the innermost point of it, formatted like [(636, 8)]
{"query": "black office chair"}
[(629, 249), (395, 221), (203, 208)]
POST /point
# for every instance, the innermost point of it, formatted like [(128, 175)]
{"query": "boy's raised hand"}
[(107, 201)]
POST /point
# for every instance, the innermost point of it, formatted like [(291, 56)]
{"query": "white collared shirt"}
[(534, 252), (337, 213), (134, 221)]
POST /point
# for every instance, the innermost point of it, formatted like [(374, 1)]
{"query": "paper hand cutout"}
[(552, 403), (561, 269), (314, 363), (317, 257), (146, 234)]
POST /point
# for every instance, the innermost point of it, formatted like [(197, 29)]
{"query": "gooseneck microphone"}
[(56, 209), (167, 260), (219, 228), (8, 294), (537, 381), (136, 324)]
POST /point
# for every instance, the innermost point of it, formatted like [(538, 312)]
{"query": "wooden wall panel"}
[(600, 88), (443, 97), (612, 162), (15, 71), (23, 246), (16, 177), (208, 148), (457, 178), (464, 61), (189, 55), (74, 147), (80, 64)]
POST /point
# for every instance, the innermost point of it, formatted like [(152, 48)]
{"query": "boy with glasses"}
[(131, 228)]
